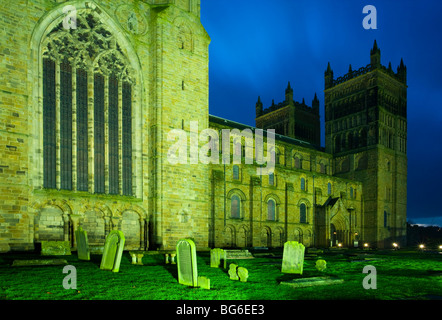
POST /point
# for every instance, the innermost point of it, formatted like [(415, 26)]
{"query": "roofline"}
[(279, 137)]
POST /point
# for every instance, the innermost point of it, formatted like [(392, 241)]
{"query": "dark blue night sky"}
[(259, 45)]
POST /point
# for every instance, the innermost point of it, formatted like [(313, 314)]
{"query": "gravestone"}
[(233, 272), (216, 256), (113, 250), (243, 274), (204, 283), (293, 257), (186, 263), (55, 248), (83, 251), (321, 265)]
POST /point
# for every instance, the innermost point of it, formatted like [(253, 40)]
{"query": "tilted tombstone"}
[(293, 257), (83, 251), (216, 256), (233, 271), (113, 250), (186, 263)]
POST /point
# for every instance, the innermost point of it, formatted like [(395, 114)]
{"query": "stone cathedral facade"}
[(89, 92)]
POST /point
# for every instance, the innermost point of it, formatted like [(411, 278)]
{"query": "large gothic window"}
[(88, 88)]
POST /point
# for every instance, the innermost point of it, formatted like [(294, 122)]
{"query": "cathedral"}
[(90, 91)]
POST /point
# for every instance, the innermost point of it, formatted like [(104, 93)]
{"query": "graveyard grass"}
[(400, 275)]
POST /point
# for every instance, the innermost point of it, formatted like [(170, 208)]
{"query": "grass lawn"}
[(400, 275)]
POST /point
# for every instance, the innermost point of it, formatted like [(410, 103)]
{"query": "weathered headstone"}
[(186, 263), (233, 272), (217, 256), (293, 257), (83, 251), (321, 265), (55, 248), (204, 282), (113, 250), (243, 274)]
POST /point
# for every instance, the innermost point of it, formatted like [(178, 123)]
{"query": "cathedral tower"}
[(366, 131), (291, 118)]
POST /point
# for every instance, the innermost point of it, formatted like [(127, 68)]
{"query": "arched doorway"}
[(265, 239), (228, 237)]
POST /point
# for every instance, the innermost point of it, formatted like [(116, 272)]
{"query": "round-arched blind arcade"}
[(88, 88)]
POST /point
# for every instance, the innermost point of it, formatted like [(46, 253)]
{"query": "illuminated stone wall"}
[(166, 52)]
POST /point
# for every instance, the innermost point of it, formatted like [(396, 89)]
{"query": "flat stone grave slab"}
[(313, 281), (38, 262), (238, 254), (55, 248), (314, 250), (96, 249)]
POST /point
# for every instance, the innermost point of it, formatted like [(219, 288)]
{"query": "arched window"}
[(98, 122), (235, 172), (385, 219), (302, 213), (303, 184), (329, 189), (235, 206), (351, 193), (271, 210)]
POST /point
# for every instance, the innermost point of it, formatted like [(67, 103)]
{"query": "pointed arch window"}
[(87, 103)]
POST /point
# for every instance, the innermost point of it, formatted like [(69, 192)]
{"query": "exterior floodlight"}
[(366, 245), (421, 246)]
